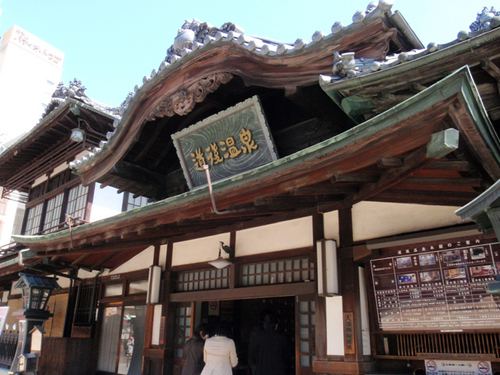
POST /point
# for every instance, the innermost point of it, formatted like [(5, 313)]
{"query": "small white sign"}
[(444, 367)]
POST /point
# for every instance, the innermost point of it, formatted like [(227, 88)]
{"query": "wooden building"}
[(335, 168)]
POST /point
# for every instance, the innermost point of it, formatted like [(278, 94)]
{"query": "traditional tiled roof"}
[(76, 90), (346, 66), (194, 36)]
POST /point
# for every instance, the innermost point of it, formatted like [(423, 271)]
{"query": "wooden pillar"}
[(320, 316), (349, 289), (168, 314)]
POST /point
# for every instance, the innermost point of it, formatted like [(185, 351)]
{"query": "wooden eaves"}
[(291, 70), (356, 165), (48, 145)]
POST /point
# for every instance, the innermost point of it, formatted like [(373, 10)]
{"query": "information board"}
[(439, 287)]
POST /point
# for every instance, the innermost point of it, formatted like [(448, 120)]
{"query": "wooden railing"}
[(419, 345)]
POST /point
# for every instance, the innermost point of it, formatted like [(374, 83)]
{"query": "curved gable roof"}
[(203, 52)]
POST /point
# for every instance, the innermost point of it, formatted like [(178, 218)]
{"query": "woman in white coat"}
[(219, 353)]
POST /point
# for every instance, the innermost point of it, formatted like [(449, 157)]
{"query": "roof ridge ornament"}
[(346, 66), (487, 18), (75, 90), (194, 33)]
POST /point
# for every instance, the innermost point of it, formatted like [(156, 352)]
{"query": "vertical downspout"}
[(94, 290)]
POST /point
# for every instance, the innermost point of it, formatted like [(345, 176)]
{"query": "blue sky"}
[(110, 45)]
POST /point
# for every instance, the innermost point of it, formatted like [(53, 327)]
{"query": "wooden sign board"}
[(230, 142), (349, 341), (162, 331)]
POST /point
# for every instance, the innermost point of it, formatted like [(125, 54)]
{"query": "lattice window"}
[(33, 220), (203, 279), (305, 331), (277, 272), (59, 180), (182, 327), (37, 191), (77, 201), (85, 310), (53, 213)]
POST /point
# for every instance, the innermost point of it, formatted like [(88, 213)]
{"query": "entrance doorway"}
[(296, 321), (121, 340)]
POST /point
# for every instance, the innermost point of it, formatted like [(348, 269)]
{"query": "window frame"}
[(45, 197)]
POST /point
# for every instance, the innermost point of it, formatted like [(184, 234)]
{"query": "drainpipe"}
[(214, 207), (94, 290)]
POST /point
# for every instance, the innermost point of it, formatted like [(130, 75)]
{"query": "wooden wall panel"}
[(68, 356), (54, 326)]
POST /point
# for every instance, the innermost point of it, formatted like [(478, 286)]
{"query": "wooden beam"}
[(291, 202), (94, 249), (453, 165), (325, 190), (152, 139), (473, 182), (449, 198), (440, 145), (78, 260), (355, 178), (262, 291), (490, 67), (390, 162), (102, 260)]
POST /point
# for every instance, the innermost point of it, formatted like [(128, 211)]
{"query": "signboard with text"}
[(230, 142), (437, 287), (445, 367)]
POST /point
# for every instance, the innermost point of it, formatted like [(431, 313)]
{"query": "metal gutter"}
[(481, 203), (405, 29)]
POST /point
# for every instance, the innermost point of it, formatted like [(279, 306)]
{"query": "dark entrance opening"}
[(245, 316)]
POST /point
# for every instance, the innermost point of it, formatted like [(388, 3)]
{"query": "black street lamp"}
[(36, 292)]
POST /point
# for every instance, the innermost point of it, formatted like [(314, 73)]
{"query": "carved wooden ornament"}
[(183, 102)]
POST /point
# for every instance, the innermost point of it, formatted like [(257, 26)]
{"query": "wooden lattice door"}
[(304, 334)]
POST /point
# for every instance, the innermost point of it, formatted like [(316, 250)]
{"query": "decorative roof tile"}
[(346, 66), (195, 35)]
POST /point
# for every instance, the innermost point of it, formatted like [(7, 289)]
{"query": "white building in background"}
[(30, 70)]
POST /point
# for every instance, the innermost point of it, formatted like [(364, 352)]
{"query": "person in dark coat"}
[(193, 351), (271, 351), (255, 337)]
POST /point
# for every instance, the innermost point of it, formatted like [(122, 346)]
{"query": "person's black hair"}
[(223, 329), (263, 314), (202, 327), (270, 321)]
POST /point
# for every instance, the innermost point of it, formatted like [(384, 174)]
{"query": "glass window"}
[(77, 201), (33, 220), (136, 202), (122, 338), (108, 339), (132, 340), (53, 213), (137, 287), (203, 279), (113, 290)]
